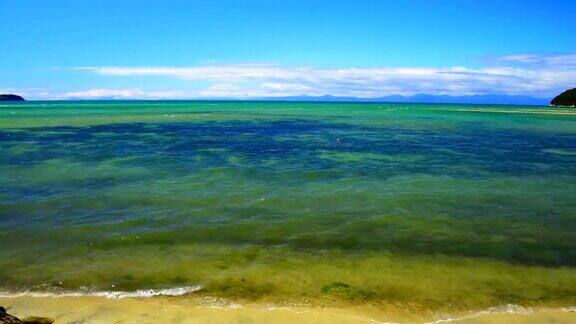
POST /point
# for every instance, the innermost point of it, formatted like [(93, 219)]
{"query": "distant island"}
[(566, 98), (11, 97)]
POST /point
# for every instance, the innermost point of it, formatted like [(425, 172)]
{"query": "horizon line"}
[(359, 101)]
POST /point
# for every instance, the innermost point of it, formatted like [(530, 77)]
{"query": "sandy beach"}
[(90, 309)]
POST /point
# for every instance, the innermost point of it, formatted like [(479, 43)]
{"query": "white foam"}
[(508, 309), (143, 293)]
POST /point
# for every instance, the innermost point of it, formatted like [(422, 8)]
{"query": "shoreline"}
[(68, 308)]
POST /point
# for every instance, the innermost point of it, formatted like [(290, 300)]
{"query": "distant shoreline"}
[(31, 101)]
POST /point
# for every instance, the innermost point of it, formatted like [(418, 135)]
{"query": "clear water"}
[(424, 205)]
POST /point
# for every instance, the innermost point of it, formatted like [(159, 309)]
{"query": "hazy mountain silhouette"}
[(425, 98)]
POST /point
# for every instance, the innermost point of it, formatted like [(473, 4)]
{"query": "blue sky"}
[(60, 49)]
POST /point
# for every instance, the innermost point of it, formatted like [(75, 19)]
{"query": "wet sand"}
[(188, 310), (539, 317), (169, 310)]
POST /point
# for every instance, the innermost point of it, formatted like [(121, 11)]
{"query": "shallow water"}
[(425, 205)]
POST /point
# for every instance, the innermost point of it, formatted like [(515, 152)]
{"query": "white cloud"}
[(549, 61), (99, 93), (271, 80), (522, 74), (103, 93)]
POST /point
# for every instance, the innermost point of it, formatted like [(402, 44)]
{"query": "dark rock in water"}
[(6, 318), (37, 320), (566, 98), (10, 97)]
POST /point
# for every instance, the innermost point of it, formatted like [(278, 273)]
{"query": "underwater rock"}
[(11, 97), (566, 98), (6, 318)]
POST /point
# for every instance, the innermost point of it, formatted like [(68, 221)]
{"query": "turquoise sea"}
[(428, 206)]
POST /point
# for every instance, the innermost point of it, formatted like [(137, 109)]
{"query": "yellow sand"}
[(187, 310), (540, 317)]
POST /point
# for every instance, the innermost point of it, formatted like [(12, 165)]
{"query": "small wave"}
[(560, 151), (143, 293), (508, 309)]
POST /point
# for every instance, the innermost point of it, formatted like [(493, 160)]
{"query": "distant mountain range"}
[(424, 98), (419, 98)]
